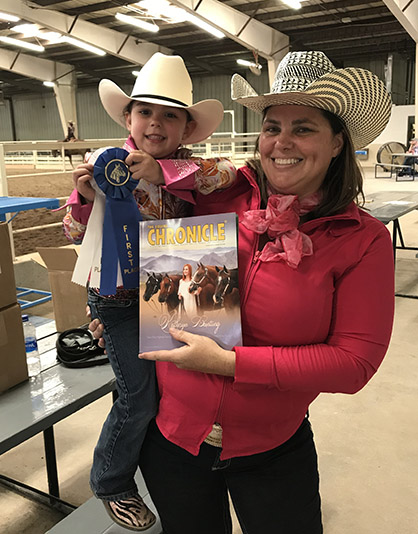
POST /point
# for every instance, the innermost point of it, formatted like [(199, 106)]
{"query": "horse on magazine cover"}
[(169, 287), (152, 285), (203, 286), (226, 290)]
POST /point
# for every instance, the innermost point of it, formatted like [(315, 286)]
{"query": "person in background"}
[(413, 149), (188, 304), (70, 131), (316, 278), (160, 117)]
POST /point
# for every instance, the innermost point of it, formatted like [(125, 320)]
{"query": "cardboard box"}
[(7, 275), (68, 299), (13, 367)]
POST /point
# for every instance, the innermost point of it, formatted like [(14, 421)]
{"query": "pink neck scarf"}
[(280, 220)]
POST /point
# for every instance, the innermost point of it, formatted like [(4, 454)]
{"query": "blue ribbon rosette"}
[(120, 227)]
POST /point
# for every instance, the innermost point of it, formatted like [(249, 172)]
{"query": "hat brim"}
[(208, 114), (355, 95)]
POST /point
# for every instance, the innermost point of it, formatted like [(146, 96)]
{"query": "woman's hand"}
[(199, 353), (81, 178), (144, 166)]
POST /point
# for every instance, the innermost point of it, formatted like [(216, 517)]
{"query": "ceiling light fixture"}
[(22, 44), (81, 44), (32, 30), (204, 26), (49, 84), (27, 30), (295, 4), (137, 22), (8, 18), (162, 9), (246, 63)]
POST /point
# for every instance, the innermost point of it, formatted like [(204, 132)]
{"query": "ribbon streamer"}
[(120, 245)]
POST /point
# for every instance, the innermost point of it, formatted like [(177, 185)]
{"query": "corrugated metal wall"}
[(6, 132), (219, 87), (36, 116), (94, 122)]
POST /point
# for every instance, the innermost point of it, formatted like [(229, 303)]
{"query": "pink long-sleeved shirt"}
[(323, 327)]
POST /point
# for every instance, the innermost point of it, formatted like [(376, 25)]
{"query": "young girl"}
[(160, 117)]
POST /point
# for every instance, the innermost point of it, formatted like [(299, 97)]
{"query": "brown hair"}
[(128, 109), (343, 181), (190, 270)]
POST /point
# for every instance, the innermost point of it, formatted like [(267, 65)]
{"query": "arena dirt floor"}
[(56, 185)]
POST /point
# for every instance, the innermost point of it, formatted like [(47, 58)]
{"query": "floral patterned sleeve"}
[(213, 174), (73, 230)]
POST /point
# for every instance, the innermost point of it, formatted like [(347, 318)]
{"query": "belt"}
[(214, 437)]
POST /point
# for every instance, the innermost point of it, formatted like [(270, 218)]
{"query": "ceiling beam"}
[(327, 34), (32, 66), (247, 31), (118, 44), (407, 14), (356, 16), (319, 8)]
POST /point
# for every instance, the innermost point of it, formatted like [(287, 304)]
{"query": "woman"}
[(317, 299), (187, 300)]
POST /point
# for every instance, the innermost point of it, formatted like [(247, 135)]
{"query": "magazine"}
[(189, 280)]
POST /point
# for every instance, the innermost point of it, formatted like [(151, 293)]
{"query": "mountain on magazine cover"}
[(204, 300), (174, 264)]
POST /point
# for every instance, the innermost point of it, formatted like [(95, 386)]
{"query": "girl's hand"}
[(96, 328), (144, 166), (183, 153), (199, 353), (81, 178)]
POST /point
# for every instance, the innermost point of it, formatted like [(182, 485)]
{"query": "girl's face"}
[(158, 130), (296, 147), (186, 272)]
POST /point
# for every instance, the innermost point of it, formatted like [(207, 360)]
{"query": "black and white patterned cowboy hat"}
[(309, 78)]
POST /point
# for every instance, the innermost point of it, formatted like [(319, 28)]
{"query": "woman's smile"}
[(286, 161)]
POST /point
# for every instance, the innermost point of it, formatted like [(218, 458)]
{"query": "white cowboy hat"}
[(164, 80), (355, 95)]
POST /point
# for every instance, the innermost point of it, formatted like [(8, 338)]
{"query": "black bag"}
[(78, 348)]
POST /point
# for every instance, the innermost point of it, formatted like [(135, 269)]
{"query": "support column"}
[(416, 92), (272, 64), (388, 73), (65, 89)]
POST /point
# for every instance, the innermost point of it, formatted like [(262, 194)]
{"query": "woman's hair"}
[(128, 109), (190, 269), (343, 181)]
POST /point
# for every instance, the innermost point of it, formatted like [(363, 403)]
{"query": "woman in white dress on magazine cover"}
[(187, 300)]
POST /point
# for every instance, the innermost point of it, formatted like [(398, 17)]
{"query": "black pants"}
[(274, 492)]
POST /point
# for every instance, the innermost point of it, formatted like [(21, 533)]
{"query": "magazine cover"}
[(189, 280)]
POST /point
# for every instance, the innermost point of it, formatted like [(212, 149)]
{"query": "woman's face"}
[(186, 272), (296, 147)]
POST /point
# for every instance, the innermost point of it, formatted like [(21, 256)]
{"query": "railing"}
[(38, 154), (235, 146)]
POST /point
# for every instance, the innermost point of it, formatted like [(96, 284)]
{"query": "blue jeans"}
[(273, 492), (116, 454)]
